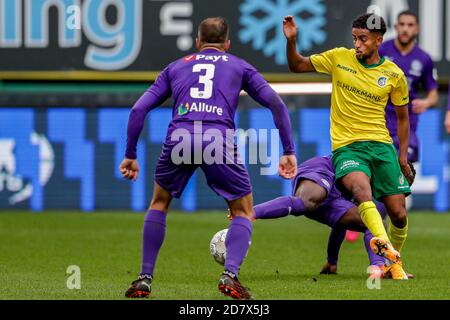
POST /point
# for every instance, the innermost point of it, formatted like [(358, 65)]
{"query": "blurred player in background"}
[(205, 88), (364, 158), (420, 72)]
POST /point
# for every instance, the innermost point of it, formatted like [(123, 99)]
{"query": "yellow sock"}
[(372, 219), (398, 236)]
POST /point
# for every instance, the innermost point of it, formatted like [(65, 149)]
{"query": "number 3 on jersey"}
[(205, 79)]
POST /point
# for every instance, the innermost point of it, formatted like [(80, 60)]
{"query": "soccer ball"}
[(217, 246)]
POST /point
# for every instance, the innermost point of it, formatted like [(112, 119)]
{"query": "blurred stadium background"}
[(71, 69)]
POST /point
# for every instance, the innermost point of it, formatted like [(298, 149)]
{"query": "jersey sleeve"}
[(153, 97), (400, 94), (429, 77), (324, 62)]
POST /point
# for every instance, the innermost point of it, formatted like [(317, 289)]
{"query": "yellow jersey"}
[(359, 95)]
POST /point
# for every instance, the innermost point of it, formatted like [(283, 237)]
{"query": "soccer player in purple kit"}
[(419, 70), (205, 88), (315, 195)]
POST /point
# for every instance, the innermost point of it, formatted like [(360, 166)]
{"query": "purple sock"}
[(337, 236), (381, 209), (375, 260), (279, 207), (237, 243), (154, 231)]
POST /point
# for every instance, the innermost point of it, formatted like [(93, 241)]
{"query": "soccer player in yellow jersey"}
[(364, 157)]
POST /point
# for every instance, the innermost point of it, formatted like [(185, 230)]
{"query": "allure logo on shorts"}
[(198, 107)]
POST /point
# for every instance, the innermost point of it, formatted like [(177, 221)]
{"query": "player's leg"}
[(237, 244), (308, 196), (350, 220), (353, 164), (311, 193), (231, 182), (398, 231), (398, 228), (358, 183), (170, 181), (154, 228), (279, 207), (239, 232), (153, 234), (391, 187), (335, 240)]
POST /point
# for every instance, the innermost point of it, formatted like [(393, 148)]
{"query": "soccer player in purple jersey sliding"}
[(419, 70), (205, 88), (314, 195)]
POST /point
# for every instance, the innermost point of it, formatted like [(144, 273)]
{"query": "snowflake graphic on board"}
[(261, 22)]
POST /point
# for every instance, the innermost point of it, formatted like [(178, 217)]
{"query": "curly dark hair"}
[(371, 22)]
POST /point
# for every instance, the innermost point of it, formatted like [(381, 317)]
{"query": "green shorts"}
[(378, 161)]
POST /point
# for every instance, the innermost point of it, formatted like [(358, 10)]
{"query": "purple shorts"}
[(227, 178), (334, 206)]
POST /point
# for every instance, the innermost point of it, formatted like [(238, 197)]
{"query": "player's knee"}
[(311, 203), (244, 214), (361, 193), (160, 204), (399, 217)]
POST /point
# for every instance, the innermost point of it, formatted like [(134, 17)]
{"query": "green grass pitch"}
[(283, 261)]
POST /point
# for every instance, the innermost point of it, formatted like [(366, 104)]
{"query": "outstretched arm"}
[(297, 63)]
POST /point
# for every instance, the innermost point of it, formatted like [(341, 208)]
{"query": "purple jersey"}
[(419, 70), (205, 87)]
